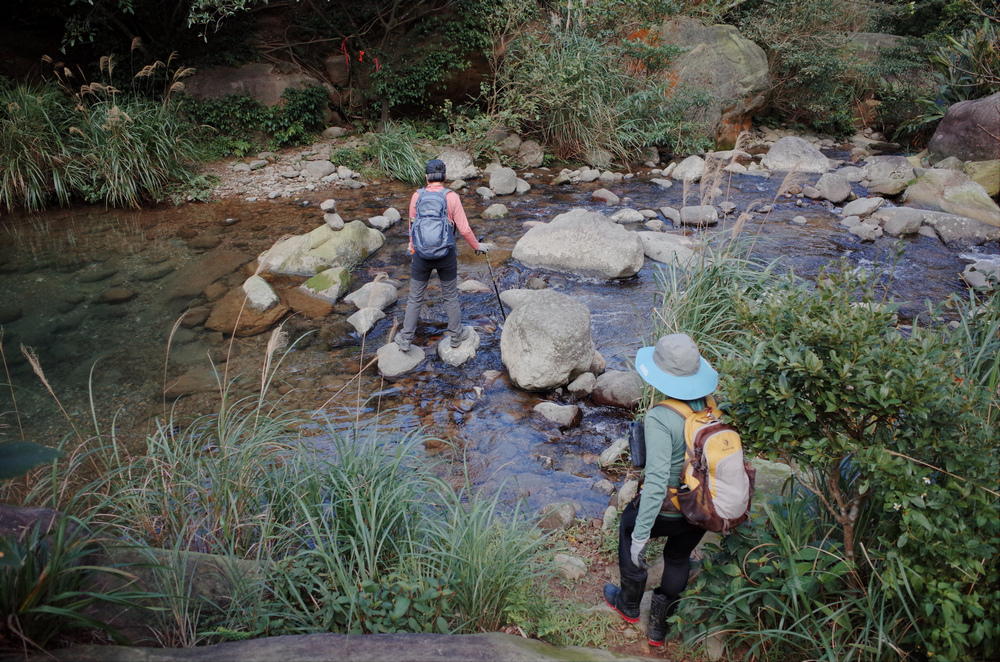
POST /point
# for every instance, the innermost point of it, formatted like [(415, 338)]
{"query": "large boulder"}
[(950, 228), (794, 153), (263, 82), (878, 168), (503, 181), (721, 62), (965, 131), (321, 249), (546, 341), (458, 164), (329, 284), (584, 243), (953, 192)]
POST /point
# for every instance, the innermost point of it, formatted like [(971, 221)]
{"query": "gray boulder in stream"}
[(584, 243), (794, 153), (321, 249), (953, 192), (546, 341)]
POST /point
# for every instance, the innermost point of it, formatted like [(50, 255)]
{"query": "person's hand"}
[(485, 247), (638, 551)]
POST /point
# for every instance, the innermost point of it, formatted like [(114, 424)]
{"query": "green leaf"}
[(903, 539), (402, 605)]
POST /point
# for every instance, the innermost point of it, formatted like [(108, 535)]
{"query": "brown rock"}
[(195, 317), (187, 233), (196, 380), (305, 304), (204, 243), (232, 317), (117, 295), (965, 131), (216, 291), (192, 280)]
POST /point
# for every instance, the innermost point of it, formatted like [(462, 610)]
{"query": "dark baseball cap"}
[(435, 166)]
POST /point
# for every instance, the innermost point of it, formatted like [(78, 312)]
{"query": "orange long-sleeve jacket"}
[(456, 214)]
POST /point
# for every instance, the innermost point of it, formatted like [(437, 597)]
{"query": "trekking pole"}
[(495, 288)]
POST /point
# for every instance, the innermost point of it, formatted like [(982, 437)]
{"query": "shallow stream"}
[(96, 292)]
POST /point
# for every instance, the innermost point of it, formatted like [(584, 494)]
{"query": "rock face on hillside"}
[(260, 81), (965, 131), (724, 64)]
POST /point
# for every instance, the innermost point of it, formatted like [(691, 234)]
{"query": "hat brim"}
[(692, 387)]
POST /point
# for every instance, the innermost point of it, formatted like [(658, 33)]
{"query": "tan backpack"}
[(717, 482)]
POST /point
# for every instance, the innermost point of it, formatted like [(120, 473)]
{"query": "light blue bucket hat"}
[(675, 368)]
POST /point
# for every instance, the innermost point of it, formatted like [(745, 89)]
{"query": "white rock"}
[(613, 452), (365, 319), (565, 416), (690, 169), (260, 295), (392, 214), (379, 295), (627, 493), (456, 356), (662, 183), (570, 567), (392, 361), (495, 211), (334, 221), (862, 207), (582, 385), (474, 287), (699, 215), (628, 216)]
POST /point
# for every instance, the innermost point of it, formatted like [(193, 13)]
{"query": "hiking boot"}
[(625, 600), (657, 629), (402, 343), (460, 338)]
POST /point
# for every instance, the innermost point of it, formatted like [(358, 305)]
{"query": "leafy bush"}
[(233, 121), (815, 79), (893, 444), (780, 589), (965, 67)]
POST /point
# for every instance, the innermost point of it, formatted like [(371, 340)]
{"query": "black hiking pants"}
[(681, 538)]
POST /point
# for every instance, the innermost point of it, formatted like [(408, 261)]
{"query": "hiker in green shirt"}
[(675, 368)]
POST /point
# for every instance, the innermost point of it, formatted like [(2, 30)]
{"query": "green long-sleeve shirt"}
[(664, 430)]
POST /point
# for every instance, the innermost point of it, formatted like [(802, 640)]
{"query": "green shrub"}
[(873, 420), (780, 589), (816, 80), (231, 123), (45, 592), (396, 154), (965, 67)]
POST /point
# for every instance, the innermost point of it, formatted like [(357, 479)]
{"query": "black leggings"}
[(682, 537)]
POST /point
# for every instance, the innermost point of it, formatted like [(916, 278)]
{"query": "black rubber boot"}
[(625, 600), (657, 630)]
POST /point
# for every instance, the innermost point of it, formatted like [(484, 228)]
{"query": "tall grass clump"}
[(35, 161), (396, 154), (94, 142), (314, 529), (579, 93)]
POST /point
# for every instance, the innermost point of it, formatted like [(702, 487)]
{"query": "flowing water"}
[(96, 292)]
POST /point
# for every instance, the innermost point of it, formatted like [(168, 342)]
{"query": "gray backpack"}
[(430, 230)]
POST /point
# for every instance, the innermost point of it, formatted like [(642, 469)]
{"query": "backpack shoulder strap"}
[(678, 406)]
